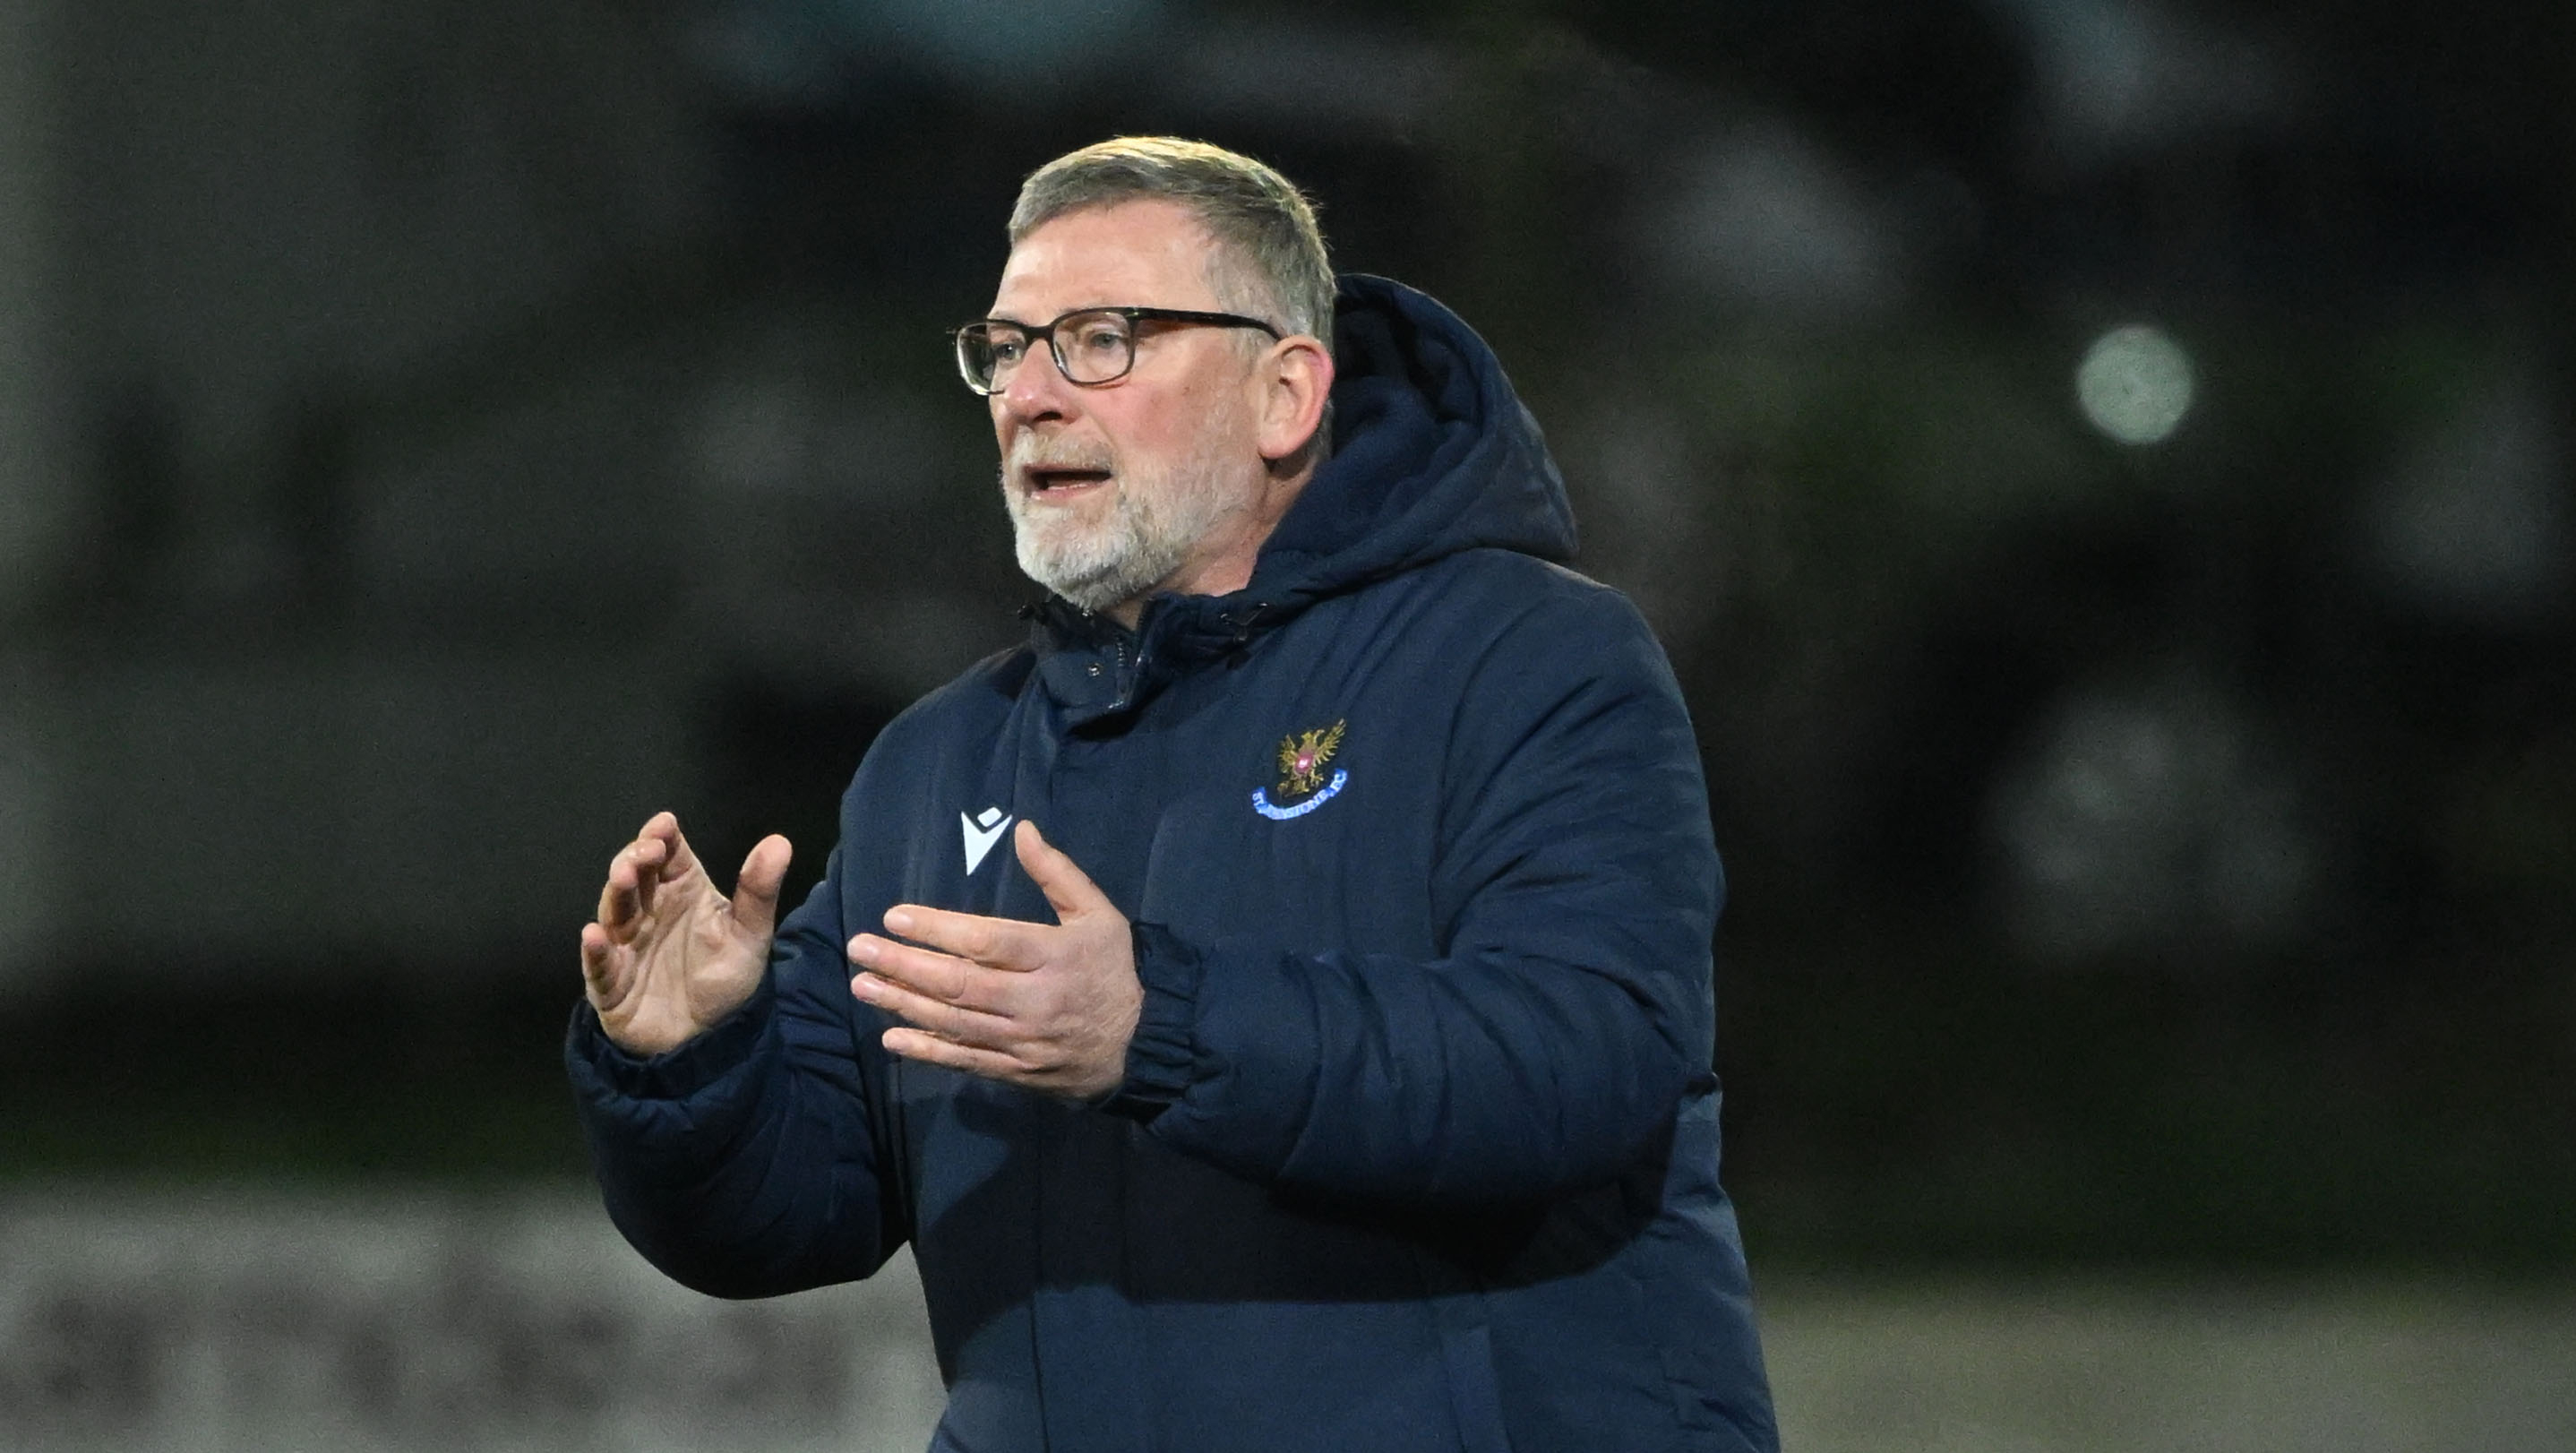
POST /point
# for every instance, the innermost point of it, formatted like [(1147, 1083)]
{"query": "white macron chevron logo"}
[(982, 831)]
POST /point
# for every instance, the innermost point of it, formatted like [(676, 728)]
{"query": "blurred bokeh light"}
[(2135, 384)]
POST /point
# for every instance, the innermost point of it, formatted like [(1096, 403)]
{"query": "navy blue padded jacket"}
[(1418, 1144)]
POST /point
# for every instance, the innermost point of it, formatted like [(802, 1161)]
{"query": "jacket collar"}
[(1095, 667)]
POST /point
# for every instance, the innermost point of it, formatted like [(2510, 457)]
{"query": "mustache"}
[(1034, 453)]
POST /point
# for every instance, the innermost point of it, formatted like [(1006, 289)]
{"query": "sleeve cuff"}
[(678, 1073), (1163, 1053)]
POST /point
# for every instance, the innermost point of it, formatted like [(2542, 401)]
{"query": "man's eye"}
[(1007, 347), (1101, 338)]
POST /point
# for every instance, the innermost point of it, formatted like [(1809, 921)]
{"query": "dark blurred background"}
[(2101, 469)]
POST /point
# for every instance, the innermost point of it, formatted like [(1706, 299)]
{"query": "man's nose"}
[(1036, 389)]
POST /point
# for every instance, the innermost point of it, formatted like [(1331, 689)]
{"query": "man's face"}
[(1120, 489)]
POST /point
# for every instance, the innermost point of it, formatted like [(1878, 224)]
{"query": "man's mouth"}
[(1056, 482)]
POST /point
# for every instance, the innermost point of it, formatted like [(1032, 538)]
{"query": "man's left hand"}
[(1051, 1007)]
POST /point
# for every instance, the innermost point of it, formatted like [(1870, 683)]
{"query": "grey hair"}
[(1270, 260)]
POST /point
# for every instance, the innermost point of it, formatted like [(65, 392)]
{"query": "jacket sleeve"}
[(745, 1163), (1569, 1006)]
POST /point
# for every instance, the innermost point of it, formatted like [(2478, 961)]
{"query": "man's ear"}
[(1295, 384)]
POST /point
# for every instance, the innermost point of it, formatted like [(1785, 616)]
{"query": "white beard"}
[(1155, 519)]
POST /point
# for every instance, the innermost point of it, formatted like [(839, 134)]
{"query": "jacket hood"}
[(1433, 453)]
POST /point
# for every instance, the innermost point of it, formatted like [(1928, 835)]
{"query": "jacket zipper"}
[(1125, 677)]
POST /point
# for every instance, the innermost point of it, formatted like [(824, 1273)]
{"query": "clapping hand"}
[(1048, 1006), (669, 955)]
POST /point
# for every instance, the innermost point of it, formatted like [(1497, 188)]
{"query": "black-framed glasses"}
[(1091, 345)]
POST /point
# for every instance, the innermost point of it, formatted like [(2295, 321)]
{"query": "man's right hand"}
[(670, 955)]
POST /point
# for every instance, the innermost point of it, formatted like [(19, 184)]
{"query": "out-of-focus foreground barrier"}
[(523, 1323), (454, 1324)]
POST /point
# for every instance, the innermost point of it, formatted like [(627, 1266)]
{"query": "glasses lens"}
[(984, 351), (1095, 347)]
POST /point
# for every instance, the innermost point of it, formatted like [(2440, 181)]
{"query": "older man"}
[(1326, 1064)]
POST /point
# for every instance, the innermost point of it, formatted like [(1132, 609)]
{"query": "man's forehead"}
[(1148, 252)]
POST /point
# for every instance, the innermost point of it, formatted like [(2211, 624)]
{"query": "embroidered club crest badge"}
[(1302, 787)]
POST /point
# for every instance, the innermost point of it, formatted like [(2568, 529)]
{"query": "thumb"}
[(755, 892), (1069, 891)]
